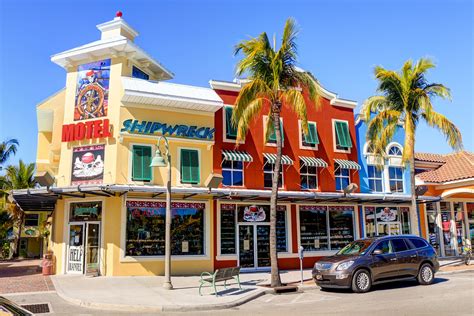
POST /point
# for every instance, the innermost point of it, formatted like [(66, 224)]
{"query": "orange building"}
[(448, 221)]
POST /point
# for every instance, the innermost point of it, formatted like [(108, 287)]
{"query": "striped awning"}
[(347, 164), (285, 160), (314, 162), (234, 155)]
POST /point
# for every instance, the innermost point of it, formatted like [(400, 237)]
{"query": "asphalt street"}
[(451, 294)]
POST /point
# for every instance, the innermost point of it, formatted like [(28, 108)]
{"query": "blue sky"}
[(340, 42)]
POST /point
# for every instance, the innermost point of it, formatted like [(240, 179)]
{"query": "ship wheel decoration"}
[(90, 101)]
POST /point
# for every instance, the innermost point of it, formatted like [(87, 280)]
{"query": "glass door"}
[(385, 229), (92, 248), (246, 246), (75, 251), (263, 246)]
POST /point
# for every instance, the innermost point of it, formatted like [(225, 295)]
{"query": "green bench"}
[(219, 275)]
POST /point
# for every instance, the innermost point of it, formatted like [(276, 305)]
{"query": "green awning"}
[(234, 155), (285, 160), (347, 164), (314, 162)]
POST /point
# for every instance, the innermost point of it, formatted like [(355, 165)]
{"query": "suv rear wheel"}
[(361, 281), (425, 274)]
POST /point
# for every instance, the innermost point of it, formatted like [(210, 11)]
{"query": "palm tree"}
[(275, 81), (18, 177), (405, 100), (7, 149)]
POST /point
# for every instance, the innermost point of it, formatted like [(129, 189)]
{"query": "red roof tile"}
[(456, 166), (430, 157)]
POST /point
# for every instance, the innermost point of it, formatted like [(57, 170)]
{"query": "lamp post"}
[(159, 161)]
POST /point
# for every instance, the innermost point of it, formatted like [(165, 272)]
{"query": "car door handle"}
[(393, 259), (413, 256)]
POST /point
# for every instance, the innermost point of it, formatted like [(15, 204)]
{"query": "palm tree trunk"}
[(414, 208), (275, 274)]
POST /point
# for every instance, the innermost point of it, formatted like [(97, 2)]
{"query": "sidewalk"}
[(23, 276), (145, 294)]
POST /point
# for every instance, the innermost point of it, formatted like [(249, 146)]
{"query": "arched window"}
[(394, 150)]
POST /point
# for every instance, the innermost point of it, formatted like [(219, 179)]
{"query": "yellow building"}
[(96, 139)]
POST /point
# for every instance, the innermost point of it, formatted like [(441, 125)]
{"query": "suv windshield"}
[(357, 247)]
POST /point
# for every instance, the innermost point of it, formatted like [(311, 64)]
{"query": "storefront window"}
[(446, 227), (433, 231), (85, 211), (341, 225), (31, 219), (470, 217), (314, 228), (460, 230), (228, 229), (323, 228), (386, 220), (145, 234)]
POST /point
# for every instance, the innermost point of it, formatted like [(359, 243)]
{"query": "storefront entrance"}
[(254, 246), (386, 221), (83, 248)]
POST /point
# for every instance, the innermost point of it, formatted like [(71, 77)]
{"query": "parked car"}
[(7, 307), (370, 261)]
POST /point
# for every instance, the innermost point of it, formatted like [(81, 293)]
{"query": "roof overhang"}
[(112, 47), (150, 93), (221, 193)]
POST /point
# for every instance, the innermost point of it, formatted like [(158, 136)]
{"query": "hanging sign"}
[(158, 128)]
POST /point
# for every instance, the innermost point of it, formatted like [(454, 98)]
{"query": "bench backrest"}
[(227, 272)]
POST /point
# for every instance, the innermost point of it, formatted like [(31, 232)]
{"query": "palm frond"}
[(249, 113), (294, 99), (446, 127)]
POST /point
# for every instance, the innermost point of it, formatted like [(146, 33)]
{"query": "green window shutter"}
[(312, 137), (273, 134), (141, 170), (343, 138), (189, 166), (231, 131)]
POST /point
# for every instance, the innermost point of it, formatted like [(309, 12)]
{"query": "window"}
[(396, 179), (375, 178), (268, 174), (399, 245), (228, 229), (230, 129), (342, 177), (326, 228), (145, 235), (190, 166), (31, 219), (311, 140), (141, 159), (418, 243), (86, 211), (385, 246), (137, 73), (233, 172), (308, 176), (395, 151), (272, 137), (343, 138)]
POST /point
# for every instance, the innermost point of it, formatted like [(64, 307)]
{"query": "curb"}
[(454, 271), (27, 293), (162, 308)]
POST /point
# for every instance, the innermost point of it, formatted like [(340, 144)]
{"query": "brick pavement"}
[(23, 276)]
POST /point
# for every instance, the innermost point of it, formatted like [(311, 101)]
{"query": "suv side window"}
[(399, 245), (385, 246), (418, 243)]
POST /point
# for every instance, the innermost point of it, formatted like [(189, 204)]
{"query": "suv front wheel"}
[(361, 281), (425, 274)]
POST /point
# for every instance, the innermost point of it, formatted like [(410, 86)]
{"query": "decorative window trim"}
[(130, 164), (334, 137), (265, 119), (224, 128), (316, 147), (393, 144)]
